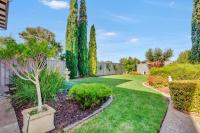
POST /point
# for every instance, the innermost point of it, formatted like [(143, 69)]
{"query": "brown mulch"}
[(67, 111), (163, 89)]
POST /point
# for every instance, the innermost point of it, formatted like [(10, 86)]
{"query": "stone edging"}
[(167, 98), (86, 119)]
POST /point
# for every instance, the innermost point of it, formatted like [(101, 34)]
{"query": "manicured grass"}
[(135, 109)]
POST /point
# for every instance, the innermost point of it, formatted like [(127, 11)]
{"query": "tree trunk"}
[(37, 84)]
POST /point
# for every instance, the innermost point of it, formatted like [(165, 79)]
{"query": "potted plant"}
[(27, 61), (38, 122)]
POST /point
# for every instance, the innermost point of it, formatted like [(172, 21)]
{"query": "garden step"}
[(8, 120)]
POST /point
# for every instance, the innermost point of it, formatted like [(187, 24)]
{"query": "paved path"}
[(8, 120), (176, 121)]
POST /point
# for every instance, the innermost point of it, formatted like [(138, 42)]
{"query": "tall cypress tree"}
[(92, 52), (195, 52), (72, 39), (82, 41)]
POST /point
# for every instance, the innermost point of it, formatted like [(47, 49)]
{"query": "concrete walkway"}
[(8, 120), (176, 121)]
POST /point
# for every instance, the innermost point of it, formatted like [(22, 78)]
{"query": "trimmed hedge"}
[(186, 95), (157, 81), (178, 72), (89, 95)]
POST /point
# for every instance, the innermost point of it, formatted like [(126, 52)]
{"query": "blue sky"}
[(124, 28)]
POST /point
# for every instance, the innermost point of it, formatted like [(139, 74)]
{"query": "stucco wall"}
[(143, 69), (109, 69)]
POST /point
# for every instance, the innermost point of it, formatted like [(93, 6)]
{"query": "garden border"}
[(86, 119)]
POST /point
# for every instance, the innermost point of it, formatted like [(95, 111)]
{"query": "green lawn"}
[(135, 109)]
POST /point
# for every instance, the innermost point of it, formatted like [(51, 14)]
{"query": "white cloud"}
[(134, 40), (109, 34), (172, 3), (105, 34), (56, 4)]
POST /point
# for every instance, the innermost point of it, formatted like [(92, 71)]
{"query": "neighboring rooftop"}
[(3, 13)]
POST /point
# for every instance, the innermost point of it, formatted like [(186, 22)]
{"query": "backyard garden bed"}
[(67, 111)]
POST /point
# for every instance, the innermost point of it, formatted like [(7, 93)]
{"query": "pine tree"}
[(72, 39), (82, 41), (195, 52), (92, 52), (149, 55)]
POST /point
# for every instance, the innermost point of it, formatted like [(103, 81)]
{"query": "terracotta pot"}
[(38, 123)]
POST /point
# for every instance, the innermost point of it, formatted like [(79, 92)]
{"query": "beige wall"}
[(105, 71)]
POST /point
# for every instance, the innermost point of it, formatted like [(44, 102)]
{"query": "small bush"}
[(50, 82), (89, 95), (178, 72), (157, 81), (186, 95)]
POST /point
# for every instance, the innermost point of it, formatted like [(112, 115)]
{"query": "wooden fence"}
[(5, 73), (103, 69)]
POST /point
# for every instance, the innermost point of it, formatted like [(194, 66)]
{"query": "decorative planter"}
[(38, 123)]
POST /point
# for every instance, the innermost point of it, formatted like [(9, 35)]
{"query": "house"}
[(144, 67), (4, 4)]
